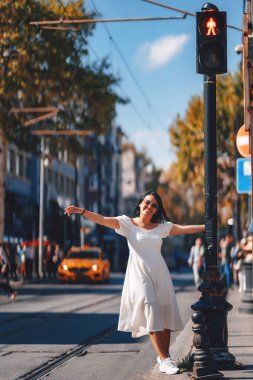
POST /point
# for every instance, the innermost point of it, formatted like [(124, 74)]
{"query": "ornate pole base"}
[(204, 366), (214, 307)]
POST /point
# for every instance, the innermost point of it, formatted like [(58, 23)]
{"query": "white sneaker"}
[(167, 366), (159, 360)]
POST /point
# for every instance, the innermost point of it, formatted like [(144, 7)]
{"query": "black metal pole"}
[(210, 173), (77, 217), (99, 190), (212, 303)]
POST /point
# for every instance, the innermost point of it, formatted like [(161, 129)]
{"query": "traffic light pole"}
[(210, 154), (212, 304), (210, 312)]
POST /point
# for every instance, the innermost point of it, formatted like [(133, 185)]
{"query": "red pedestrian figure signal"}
[(211, 25), (211, 42)]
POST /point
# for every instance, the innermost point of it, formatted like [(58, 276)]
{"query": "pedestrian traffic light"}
[(211, 38)]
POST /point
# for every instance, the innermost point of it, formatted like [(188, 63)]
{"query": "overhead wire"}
[(161, 143), (150, 107), (186, 13)]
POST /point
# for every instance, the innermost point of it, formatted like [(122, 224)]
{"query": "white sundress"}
[(148, 300)]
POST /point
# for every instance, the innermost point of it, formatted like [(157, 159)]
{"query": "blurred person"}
[(11, 254), (57, 258), (195, 260), (4, 273), (23, 267), (148, 303), (29, 257), (225, 259), (48, 261), (247, 258), (236, 254)]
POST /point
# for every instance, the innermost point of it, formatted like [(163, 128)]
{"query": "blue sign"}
[(243, 175)]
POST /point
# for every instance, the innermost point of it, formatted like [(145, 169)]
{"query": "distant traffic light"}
[(211, 38)]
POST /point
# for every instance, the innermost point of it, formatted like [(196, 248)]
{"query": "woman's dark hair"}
[(160, 216)]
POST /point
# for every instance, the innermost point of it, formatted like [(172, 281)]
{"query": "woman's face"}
[(149, 206)]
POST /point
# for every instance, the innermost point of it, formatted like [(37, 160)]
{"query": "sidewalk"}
[(240, 343)]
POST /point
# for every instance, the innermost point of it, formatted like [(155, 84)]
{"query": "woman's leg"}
[(157, 340), (166, 340)]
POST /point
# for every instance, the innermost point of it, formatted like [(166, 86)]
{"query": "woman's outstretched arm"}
[(182, 230), (110, 222)]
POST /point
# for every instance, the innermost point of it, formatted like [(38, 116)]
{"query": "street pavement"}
[(119, 357), (137, 360), (240, 344)]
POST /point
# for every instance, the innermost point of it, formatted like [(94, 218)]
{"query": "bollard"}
[(214, 307), (204, 366)]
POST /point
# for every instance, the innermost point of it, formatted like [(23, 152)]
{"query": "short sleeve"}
[(124, 225), (165, 229)]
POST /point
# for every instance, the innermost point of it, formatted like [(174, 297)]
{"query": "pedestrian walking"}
[(57, 258), (195, 260), (225, 257), (236, 254), (48, 262), (246, 259), (148, 302), (4, 273)]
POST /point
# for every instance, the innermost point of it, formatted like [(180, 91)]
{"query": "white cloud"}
[(157, 53)]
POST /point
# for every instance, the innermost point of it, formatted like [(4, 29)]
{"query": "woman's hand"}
[(73, 210), (110, 222), (177, 229)]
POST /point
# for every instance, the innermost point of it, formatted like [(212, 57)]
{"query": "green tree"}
[(42, 68), (187, 134)]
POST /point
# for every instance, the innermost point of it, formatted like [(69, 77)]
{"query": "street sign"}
[(242, 142), (243, 175)]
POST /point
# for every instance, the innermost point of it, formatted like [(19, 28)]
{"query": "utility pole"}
[(2, 177), (41, 212)]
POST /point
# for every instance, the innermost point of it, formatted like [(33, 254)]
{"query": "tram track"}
[(45, 369), (41, 318), (81, 349)]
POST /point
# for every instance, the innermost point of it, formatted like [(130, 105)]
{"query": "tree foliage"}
[(50, 68), (178, 198), (187, 136)]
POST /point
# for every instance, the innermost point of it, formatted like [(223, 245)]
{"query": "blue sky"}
[(161, 57)]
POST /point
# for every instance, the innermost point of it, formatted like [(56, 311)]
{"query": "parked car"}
[(84, 263)]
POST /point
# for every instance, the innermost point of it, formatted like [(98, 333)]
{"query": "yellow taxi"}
[(84, 263)]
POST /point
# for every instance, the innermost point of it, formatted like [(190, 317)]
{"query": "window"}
[(61, 183), (49, 175), (21, 165), (12, 162), (56, 180), (28, 164)]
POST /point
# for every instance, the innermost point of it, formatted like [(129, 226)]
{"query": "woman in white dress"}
[(148, 302)]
